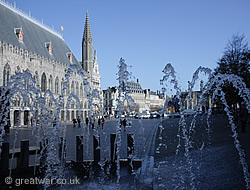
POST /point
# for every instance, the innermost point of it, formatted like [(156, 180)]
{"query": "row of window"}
[(17, 102), (54, 86), (48, 84)]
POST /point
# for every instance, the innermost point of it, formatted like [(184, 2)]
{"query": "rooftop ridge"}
[(30, 18)]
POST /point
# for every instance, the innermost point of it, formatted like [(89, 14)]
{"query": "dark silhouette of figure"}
[(93, 124), (74, 122), (87, 121), (102, 122), (79, 121), (124, 122), (99, 122)]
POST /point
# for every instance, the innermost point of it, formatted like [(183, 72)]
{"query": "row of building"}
[(144, 100)]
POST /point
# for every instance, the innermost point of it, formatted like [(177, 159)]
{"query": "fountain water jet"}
[(215, 84)]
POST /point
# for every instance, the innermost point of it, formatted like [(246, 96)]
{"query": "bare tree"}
[(235, 60)]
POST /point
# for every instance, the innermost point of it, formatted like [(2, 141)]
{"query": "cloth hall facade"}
[(27, 44)]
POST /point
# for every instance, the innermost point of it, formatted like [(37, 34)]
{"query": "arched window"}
[(81, 105), (72, 87), (77, 89), (57, 85), (36, 78), (85, 105), (17, 101), (43, 83), (72, 104), (81, 90), (6, 74), (62, 83), (67, 88), (51, 83)]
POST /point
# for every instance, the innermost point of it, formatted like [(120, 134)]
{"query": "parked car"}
[(131, 114), (166, 115), (145, 116), (154, 114), (137, 115)]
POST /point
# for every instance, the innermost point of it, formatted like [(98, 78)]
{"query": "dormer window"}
[(48, 45), (69, 55), (19, 33)]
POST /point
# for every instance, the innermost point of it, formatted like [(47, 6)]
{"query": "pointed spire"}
[(87, 32)]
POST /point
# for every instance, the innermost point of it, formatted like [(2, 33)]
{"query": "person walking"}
[(99, 122), (93, 122), (74, 122), (79, 121), (124, 122), (103, 121), (87, 121), (31, 121)]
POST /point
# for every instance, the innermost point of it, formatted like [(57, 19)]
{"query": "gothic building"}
[(27, 44), (145, 100)]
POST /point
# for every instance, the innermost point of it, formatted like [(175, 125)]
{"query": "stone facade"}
[(110, 100), (46, 55), (193, 100), (144, 99)]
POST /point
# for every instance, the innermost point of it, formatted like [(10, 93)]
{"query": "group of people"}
[(123, 122), (89, 122), (78, 120)]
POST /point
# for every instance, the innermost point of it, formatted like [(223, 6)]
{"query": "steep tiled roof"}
[(134, 87), (35, 35)]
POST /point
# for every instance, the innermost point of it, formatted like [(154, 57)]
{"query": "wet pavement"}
[(214, 161)]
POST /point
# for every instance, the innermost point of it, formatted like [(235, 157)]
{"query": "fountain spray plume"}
[(215, 84), (123, 98), (170, 77)]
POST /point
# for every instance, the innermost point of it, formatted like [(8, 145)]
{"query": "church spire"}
[(87, 47), (87, 32)]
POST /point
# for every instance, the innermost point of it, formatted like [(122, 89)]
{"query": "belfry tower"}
[(87, 48), (89, 63)]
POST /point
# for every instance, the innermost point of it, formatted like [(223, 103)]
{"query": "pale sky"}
[(147, 34)]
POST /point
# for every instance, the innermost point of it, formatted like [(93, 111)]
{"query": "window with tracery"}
[(51, 83), (43, 83), (6, 74), (77, 89), (57, 85), (81, 90), (72, 87)]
